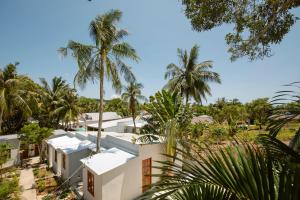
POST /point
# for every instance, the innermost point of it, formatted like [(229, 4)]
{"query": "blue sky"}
[(31, 31)]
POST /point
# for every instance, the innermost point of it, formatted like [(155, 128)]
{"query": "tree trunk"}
[(186, 99), (1, 120), (133, 118), (101, 77)]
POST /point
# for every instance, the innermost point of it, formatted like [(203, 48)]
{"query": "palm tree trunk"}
[(186, 98), (133, 118), (101, 77), (1, 120)]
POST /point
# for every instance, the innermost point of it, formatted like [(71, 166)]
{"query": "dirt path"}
[(27, 181)]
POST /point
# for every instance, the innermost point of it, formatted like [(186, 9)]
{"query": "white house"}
[(91, 118), (124, 125), (122, 170), (14, 142), (64, 154)]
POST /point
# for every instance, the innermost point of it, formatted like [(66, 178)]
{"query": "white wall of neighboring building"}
[(14, 143)]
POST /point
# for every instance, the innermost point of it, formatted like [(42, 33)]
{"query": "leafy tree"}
[(118, 106), (257, 24), (15, 94), (132, 95), (4, 153), (168, 117), (191, 78), (34, 134), (88, 104), (259, 110), (103, 58)]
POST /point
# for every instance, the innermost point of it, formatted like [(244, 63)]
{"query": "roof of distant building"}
[(202, 119), (106, 116), (9, 137)]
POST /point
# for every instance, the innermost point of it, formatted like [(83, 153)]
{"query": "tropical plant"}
[(4, 153), (51, 98), (15, 93), (191, 79), (259, 110), (34, 134), (132, 95), (88, 104), (166, 119), (268, 170), (118, 106), (103, 58)]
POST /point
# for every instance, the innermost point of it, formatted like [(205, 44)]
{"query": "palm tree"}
[(13, 93), (168, 117), (191, 78), (68, 109), (51, 98), (133, 95), (103, 58)]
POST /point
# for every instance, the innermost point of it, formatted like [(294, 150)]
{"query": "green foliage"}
[(219, 133), (88, 104), (58, 103), (8, 187), (16, 99), (191, 78), (168, 119), (33, 134), (199, 110), (41, 186), (259, 110), (4, 152), (257, 24), (118, 106)]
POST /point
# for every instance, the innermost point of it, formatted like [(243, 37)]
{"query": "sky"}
[(31, 32)]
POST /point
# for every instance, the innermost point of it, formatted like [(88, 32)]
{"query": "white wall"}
[(14, 153), (97, 186)]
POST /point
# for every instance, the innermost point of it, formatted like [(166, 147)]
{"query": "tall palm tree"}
[(103, 59), (132, 96), (13, 93), (191, 78)]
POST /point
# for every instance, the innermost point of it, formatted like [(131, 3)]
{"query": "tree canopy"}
[(257, 24)]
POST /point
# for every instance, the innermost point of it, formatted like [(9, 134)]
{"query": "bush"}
[(41, 186), (218, 132), (7, 187)]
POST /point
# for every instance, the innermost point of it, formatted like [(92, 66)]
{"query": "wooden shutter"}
[(55, 156), (147, 171), (64, 161), (90, 180)]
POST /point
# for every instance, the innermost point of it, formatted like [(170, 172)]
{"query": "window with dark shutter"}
[(90, 180), (55, 156), (146, 176)]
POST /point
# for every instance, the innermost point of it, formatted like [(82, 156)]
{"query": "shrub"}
[(218, 132), (41, 185), (8, 187)]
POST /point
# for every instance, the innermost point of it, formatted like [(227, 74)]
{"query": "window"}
[(90, 179), (64, 161), (55, 156), (146, 176)]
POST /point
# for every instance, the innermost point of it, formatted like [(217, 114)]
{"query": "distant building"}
[(14, 142), (91, 118), (202, 119)]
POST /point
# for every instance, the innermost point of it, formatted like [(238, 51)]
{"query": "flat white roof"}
[(111, 123), (9, 137), (105, 117), (70, 144), (107, 160)]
